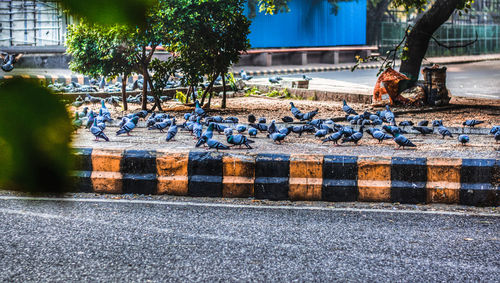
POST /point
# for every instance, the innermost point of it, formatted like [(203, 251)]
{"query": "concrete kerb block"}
[(205, 174), (443, 180), (238, 175), (306, 177), (408, 180), (340, 178), (106, 176), (477, 182), (272, 172), (139, 172), (374, 179), (82, 170), (172, 170)]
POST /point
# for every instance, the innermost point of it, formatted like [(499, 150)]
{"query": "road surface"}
[(156, 241), (481, 79)]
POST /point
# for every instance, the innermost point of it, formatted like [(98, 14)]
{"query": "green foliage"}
[(253, 91), (180, 96), (128, 12), (35, 135), (271, 7)]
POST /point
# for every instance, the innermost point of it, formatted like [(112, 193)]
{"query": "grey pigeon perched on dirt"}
[(259, 126), (423, 130), (277, 137), (244, 76), (262, 120), (98, 132), (423, 123), (321, 133), (405, 123), (198, 110), (335, 137), (494, 130), (237, 139), (379, 135), (347, 109), (355, 137), (309, 115), (295, 111), (241, 128), (393, 130), (305, 77), (472, 123), (463, 139), (197, 129), (172, 131), (251, 118), (128, 127), (211, 143), (437, 123), (389, 116), (497, 136), (444, 131), (402, 141), (252, 132), (287, 119)]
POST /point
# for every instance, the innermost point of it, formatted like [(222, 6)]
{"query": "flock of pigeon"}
[(325, 129)]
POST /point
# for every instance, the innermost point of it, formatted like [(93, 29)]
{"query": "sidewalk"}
[(64, 75)]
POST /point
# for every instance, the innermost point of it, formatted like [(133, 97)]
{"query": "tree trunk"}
[(374, 14), (223, 105), (144, 105), (187, 95), (209, 99), (420, 35), (208, 89), (155, 95), (124, 92)]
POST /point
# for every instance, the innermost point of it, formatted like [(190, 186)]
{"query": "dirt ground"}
[(275, 109)]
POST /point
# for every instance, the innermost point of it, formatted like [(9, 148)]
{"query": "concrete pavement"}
[(154, 241)]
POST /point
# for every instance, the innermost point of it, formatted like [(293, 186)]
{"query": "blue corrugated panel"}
[(310, 23)]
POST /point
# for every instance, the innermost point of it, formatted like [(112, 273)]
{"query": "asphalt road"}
[(109, 240), (481, 79)]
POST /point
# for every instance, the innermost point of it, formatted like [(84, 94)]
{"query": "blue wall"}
[(310, 23)]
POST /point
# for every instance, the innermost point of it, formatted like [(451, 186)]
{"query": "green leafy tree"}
[(211, 35), (100, 51)]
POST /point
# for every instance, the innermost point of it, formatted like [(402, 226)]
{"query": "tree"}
[(99, 51), (210, 36)]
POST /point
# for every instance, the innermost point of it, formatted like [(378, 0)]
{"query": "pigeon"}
[(161, 125), (305, 77), (215, 119), (355, 137), (151, 120), (172, 131), (98, 132), (381, 136), (423, 130), (472, 123), (91, 119), (497, 136), (321, 133), (232, 120), (129, 126), (437, 123), (93, 99), (287, 119), (272, 128), (335, 137), (444, 131), (393, 130), (295, 111), (274, 80), (237, 139), (7, 64), (252, 132), (389, 116), (277, 137), (259, 126), (102, 84), (241, 128), (197, 128), (286, 130), (402, 141), (405, 123), (309, 115), (215, 144), (244, 76), (77, 123), (347, 109), (84, 112), (423, 123), (77, 103), (463, 139), (198, 110), (495, 130), (262, 120), (219, 127), (301, 129), (251, 118)]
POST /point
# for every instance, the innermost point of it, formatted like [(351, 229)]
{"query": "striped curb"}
[(289, 71), (295, 177)]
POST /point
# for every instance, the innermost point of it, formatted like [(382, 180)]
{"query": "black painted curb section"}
[(340, 178), (82, 170), (272, 172), (408, 180), (139, 172), (476, 179), (205, 174)]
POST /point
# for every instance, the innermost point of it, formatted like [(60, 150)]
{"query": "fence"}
[(31, 23), (488, 38)]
